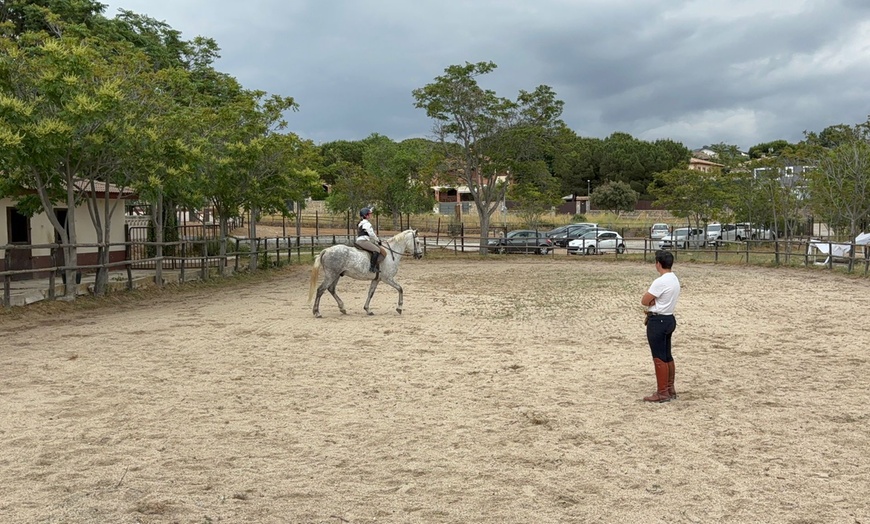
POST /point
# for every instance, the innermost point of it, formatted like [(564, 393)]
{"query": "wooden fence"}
[(200, 258)]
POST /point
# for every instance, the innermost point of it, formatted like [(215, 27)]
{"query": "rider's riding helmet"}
[(364, 211)]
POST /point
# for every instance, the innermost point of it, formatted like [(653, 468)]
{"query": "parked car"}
[(762, 233), (521, 241), (571, 232), (714, 233), (659, 231), (683, 238), (719, 233), (556, 231), (597, 241), (755, 232), (744, 230), (732, 233), (562, 229)]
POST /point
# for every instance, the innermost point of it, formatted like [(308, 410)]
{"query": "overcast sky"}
[(699, 72)]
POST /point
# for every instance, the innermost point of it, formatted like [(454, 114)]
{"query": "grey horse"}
[(346, 261)]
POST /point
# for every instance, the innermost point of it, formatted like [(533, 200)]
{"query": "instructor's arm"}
[(648, 299)]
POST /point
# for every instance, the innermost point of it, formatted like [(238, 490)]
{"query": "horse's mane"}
[(400, 237)]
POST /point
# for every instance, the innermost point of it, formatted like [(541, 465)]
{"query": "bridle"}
[(417, 254)]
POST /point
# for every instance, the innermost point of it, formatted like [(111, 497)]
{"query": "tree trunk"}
[(299, 219), (71, 252), (224, 233), (484, 229), (252, 238), (158, 232)]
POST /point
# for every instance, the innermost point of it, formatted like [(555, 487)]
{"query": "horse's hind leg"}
[(336, 297), (316, 309), (328, 283), (372, 287)]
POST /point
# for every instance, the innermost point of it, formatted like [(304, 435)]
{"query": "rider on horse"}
[(367, 238)]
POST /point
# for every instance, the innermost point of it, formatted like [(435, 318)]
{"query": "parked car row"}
[(718, 233), (589, 241), (715, 233), (587, 238)]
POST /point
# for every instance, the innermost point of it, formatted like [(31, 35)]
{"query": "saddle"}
[(375, 258)]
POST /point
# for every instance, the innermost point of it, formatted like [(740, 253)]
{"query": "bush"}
[(213, 245)]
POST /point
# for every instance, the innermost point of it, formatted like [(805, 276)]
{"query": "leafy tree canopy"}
[(615, 197)]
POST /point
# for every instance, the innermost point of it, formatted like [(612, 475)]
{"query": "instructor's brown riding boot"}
[(671, 373), (661, 394)]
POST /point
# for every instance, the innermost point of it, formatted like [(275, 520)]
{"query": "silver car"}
[(683, 238)]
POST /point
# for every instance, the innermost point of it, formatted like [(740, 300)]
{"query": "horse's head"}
[(418, 245)]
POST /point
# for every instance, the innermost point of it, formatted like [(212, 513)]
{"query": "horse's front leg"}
[(372, 287), (397, 287), (336, 297)]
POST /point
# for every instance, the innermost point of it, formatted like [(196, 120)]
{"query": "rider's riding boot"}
[(661, 394), (374, 263), (671, 373)]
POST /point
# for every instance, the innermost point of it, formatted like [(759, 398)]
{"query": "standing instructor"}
[(661, 301)]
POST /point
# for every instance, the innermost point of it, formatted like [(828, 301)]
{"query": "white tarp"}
[(826, 248), (835, 249)]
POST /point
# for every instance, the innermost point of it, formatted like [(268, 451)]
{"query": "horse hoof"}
[(317, 315), (399, 311), (370, 313), (343, 311)]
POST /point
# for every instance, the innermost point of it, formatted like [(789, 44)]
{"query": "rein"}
[(393, 252)]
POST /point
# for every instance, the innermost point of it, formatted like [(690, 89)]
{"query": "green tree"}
[(623, 158), (404, 174), (476, 128), (240, 168), (394, 177), (697, 196), (840, 187), (575, 161), (784, 204), (534, 191), (62, 107), (615, 197), (837, 135), (52, 17), (338, 155), (729, 155), (773, 148)]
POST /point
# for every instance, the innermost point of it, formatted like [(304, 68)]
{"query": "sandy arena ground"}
[(507, 392)]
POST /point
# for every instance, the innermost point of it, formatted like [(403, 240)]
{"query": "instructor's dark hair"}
[(665, 258)]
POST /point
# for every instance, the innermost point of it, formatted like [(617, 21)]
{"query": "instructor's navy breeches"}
[(659, 329)]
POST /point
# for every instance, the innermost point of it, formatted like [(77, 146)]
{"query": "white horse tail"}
[(315, 272)]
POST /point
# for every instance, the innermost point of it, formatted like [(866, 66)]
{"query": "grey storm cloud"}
[(734, 71)]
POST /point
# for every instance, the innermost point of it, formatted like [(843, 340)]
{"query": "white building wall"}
[(42, 232)]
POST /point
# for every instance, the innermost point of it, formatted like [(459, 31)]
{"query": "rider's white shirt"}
[(367, 226)]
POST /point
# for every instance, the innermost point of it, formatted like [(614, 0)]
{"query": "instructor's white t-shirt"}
[(666, 289)]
